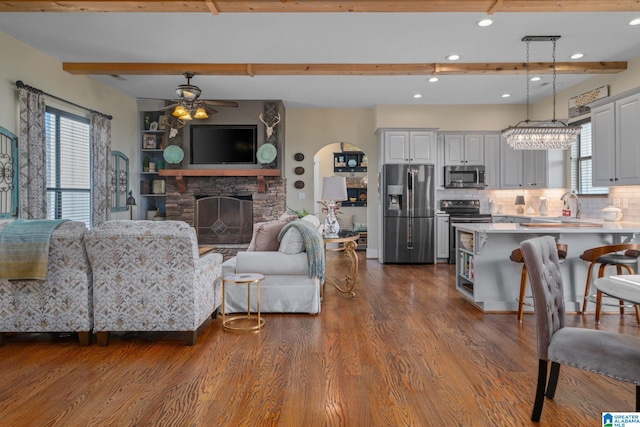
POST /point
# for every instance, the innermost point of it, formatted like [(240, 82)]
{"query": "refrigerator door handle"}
[(410, 201)]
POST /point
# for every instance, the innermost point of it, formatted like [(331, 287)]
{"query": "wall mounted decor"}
[(298, 157), (299, 184), (299, 170)]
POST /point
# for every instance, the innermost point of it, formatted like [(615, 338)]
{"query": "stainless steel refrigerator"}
[(408, 214)]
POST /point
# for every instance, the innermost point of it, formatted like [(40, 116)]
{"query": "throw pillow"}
[(291, 243), (345, 222), (265, 235)]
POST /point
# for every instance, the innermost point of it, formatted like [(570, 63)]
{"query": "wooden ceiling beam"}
[(321, 6), (505, 68)]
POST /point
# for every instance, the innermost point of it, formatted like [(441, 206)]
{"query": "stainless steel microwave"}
[(464, 176)]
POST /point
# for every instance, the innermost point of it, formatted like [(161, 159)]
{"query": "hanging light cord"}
[(554, 81), (527, 74)]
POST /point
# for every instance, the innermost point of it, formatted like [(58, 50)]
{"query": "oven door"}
[(452, 231)]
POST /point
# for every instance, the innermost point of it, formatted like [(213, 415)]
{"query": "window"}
[(581, 164), (119, 181), (68, 166), (8, 174)]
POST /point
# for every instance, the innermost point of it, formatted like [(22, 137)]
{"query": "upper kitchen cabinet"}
[(463, 149), (615, 127), (408, 146), (492, 161), (532, 168)]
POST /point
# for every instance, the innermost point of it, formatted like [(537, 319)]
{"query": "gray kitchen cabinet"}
[(463, 149), (492, 161), (615, 127), (532, 168), (408, 146), (442, 236)]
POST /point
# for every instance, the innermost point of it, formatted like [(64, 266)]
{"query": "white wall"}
[(34, 68)]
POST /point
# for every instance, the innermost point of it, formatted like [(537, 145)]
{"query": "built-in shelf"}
[(180, 174)]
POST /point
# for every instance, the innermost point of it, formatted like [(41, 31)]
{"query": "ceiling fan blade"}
[(209, 110), (220, 103), (168, 107)]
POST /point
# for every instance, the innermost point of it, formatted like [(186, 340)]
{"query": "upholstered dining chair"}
[(607, 353)]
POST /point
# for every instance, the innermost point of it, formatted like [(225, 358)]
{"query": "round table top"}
[(243, 277), (349, 236), (625, 287)]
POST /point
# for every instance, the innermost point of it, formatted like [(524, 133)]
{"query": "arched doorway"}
[(343, 159)]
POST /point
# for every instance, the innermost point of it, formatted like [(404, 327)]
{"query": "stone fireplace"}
[(266, 206)]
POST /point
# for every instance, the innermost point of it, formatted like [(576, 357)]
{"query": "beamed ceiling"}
[(323, 45)]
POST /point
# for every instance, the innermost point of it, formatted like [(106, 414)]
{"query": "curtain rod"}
[(20, 84)]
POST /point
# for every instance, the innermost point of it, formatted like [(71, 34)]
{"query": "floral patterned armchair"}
[(61, 303), (149, 276)]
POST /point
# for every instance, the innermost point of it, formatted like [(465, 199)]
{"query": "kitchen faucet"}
[(578, 204)]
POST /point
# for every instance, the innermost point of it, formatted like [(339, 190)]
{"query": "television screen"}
[(223, 144)]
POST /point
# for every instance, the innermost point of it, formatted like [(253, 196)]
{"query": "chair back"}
[(541, 258)]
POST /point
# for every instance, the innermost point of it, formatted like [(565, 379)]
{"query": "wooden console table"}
[(182, 174)]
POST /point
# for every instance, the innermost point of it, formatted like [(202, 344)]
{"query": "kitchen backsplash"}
[(591, 206)]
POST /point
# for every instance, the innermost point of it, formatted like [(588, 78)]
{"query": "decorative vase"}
[(544, 206)]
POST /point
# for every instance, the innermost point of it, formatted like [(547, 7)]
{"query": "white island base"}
[(490, 281)]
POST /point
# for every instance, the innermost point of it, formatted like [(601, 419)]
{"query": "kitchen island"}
[(490, 281)]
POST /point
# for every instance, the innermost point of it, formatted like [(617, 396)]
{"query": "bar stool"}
[(606, 256), (516, 256)]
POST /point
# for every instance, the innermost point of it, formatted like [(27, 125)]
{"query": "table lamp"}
[(131, 202), (334, 189), (519, 203)]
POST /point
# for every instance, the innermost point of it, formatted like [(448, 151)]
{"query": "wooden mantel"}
[(180, 174)]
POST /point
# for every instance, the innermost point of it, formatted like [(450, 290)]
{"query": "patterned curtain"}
[(101, 172), (32, 150)]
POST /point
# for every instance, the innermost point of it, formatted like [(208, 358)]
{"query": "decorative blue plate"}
[(173, 154), (267, 153), (352, 163)]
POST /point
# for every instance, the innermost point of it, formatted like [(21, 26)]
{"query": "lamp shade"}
[(519, 200), (131, 201), (334, 188)]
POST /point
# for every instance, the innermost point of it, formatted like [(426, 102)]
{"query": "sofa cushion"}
[(272, 263), (265, 235), (292, 243)]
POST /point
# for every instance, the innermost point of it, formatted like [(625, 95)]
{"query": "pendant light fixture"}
[(541, 135)]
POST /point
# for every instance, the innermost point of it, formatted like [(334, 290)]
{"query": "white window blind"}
[(581, 163), (68, 166)]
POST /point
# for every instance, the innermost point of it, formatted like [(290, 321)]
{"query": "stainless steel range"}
[(461, 211)]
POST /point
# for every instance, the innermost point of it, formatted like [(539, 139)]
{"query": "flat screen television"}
[(223, 144)]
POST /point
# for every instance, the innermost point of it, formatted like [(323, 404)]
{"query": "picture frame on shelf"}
[(149, 141), (153, 126), (162, 121)]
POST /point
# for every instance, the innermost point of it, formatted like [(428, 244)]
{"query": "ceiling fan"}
[(189, 105)]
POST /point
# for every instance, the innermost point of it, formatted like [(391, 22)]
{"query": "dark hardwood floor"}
[(407, 351)]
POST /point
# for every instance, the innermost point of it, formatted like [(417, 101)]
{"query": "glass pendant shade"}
[(186, 116), (188, 92), (179, 111), (201, 114)]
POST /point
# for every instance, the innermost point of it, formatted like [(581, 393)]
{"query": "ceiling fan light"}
[(201, 114), (188, 92), (179, 111), (186, 116)]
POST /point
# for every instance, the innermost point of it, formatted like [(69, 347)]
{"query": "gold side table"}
[(243, 322), (347, 242)]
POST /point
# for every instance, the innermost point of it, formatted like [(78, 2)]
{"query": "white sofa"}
[(286, 288), (149, 276), (61, 303)]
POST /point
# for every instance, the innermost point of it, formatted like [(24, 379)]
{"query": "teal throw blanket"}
[(313, 244), (24, 249)]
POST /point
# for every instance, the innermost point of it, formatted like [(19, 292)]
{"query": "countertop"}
[(513, 228)]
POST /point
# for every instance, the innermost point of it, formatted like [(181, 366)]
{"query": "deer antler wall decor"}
[(269, 127)]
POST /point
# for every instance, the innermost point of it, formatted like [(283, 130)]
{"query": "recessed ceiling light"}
[(536, 78), (433, 79), (417, 95), (577, 55), (506, 95), (485, 23), (635, 22), (453, 57)]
